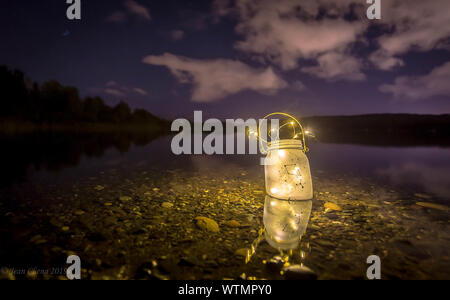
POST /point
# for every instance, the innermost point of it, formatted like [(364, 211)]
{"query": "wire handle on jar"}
[(303, 140)]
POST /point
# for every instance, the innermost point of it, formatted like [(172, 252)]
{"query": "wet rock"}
[(38, 240), (211, 264), (241, 252), (167, 205), (79, 212), (119, 211), (422, 196), (275, 264), (232, 223), (313, 227), (298, 272), (359, 219), (332, 215), (432, 205), (332, 206), (125, 198), (324, 243), (207, 224)]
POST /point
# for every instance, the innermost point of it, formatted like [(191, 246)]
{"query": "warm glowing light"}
[(288, 175), (252, 132), (294, 224), (286, 222), (309, 132)]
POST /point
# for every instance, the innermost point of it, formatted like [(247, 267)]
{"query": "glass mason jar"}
[(287, 171)]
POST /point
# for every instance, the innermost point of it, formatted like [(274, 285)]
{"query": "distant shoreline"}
[(381, 123), (18, 127), (382, 129), (377, 130)]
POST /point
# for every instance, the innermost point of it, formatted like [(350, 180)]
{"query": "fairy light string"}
[(291, 121)]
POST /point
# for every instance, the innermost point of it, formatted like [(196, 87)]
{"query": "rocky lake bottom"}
[(211, 223)]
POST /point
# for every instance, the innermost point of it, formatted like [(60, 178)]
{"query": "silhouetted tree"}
[(121, 113), (95, 110), (15, 96), (143, 116), (23, 100)]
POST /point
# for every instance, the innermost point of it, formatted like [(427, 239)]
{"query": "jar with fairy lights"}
[(287, 171)]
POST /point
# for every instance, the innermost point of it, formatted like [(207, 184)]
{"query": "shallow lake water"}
[(131, 209), (417, 169)]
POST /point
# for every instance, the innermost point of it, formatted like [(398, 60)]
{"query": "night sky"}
[(242, 58)]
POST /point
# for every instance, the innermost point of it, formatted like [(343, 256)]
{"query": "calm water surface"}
[(416, 169), (64, 192)]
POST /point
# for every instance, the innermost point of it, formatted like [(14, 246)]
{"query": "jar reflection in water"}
[(285, 222)]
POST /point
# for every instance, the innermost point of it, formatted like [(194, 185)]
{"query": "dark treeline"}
[(52, 103), (382, 129)]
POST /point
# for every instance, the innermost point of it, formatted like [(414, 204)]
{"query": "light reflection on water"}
[(418, 169), (422, 169), (285, 222)]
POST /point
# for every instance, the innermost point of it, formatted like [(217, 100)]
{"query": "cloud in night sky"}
[(311, 57), (177, 35), (436, 83), (334, 66), (140, 91), (287, 33), (137, 9), (214, 79), (315, 37), (117, 17), (117, 90), (283, 32), (298, 86), (131, 8), (114, 92), (417, 25)]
